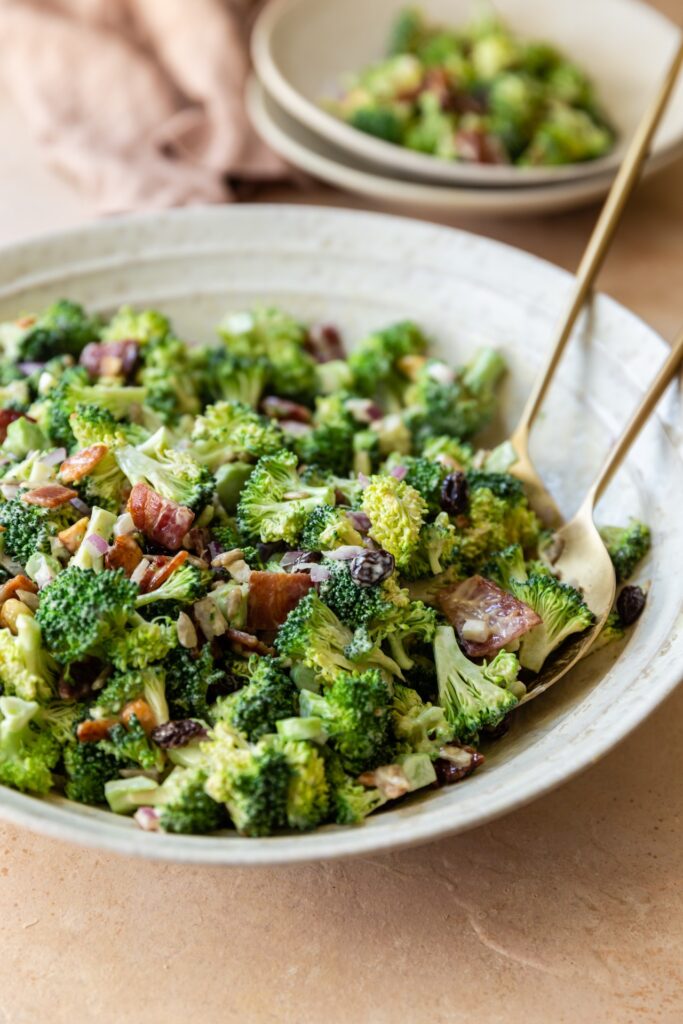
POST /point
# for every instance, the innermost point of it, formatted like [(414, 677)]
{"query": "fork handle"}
[(600, 240), (637, 421)]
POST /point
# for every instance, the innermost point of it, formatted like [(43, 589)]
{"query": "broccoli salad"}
[(477, 94), (261, 584)]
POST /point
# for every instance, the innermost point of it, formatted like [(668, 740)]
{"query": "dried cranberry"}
[(372, 567), (630, 604), (324, 343), (455, 494), (177, 734)]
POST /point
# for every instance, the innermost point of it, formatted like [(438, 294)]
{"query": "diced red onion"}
[(364, 410), (399, 472), (214, 549), (319, 573), (30, 367), (54, 458), (359, 520), (9, 490), (43, 576), (80, 506), (98, 543), (363, 480), (291, 557), (294, 428), (147, 818), (123, 525), (346, 552)]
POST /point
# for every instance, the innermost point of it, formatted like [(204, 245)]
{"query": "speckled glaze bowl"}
[(362, 271)]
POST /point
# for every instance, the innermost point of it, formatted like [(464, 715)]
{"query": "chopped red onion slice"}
[(43, 576), (363, 480), (318, 573), (98, 543), (294, 428), (359, 520), (147, 818), (363, 410), (9, 490), (399, 472), (345, 552), (80, 506), (30, 367), (54, 458), (123, 525), (292, 557)]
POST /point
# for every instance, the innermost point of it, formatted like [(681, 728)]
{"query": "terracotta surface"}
[(567, 911)]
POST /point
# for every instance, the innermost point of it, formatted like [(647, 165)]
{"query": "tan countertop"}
[(570, 910)]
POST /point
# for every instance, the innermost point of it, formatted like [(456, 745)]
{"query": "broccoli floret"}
[(420, 726), (91, 424), (381, 122), (26, 669), (27, 753), (495, 522), (355, 713), (186, 585), (612, 632), (626, 546), (471, 701), (277, 337), (448, 452), (366, 451), (329, 444), (61, 717), (130, 743), (459, 408), (438, 548), (404, 626), (189, 678), (71, 390), (268, 785), (425, 475), (352, 604), (230, 431), (313, 634), (145, 327), (562, 610), (350, 801), (567, 136), (233, 378), (88, 767), (170, 379), (123, 687), (373, 361), (268, 696), (142, 643), (172, 474), (185, 806), (407, 32), (505, 566), (328, 528), (80, 609), (276, 503), (25, 530), (396, 512), (64, 328), (24, 437)]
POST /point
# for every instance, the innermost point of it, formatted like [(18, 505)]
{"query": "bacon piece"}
[(94, 730), (73, 535), (162, 521), (19, 582), (481, 600), (8, 416), (248, 642), (82, 463), (125, 553), (49, 496), (272, 595), (161, 568), (110, 358)]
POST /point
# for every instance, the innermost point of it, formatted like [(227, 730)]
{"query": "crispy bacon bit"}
[(456, 763), (162, 521), (49, 496), (8, 416), (124, 554), (142, 711), (110, 358), (72, 536), (247, 642), (82, 463), (94, 730), (282, 409), (161, 571), (478, 599), (19, 582), (272, 595)]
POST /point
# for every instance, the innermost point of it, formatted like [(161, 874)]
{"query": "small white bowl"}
[(362, 271), (302, 48)]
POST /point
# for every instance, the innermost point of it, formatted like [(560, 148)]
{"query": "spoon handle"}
[(637, 421), (600, 240)]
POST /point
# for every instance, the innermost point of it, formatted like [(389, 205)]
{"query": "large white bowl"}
[(302, 48), (316, 156), (364, 270)]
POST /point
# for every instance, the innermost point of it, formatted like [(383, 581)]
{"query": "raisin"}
[(455, 494), (372, 567), (177, 734), (630, 604)]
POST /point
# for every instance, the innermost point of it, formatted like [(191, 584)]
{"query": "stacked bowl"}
[(303, 49)]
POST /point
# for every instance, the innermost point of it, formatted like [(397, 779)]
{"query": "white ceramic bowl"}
[(316, 156), (364, 270), (302, 48)]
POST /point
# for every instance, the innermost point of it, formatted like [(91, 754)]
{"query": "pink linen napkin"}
[(138, 101)]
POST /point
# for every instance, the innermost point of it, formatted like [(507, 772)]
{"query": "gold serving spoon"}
[(593, 258), (583, 560)]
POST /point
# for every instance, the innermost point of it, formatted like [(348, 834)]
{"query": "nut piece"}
[(142, 711), (226, 558), (73, 535), (10, 612), (93, 730), (187, 634)]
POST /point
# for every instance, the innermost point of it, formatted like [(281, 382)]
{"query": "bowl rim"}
[(62, 819), (387, 157)]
